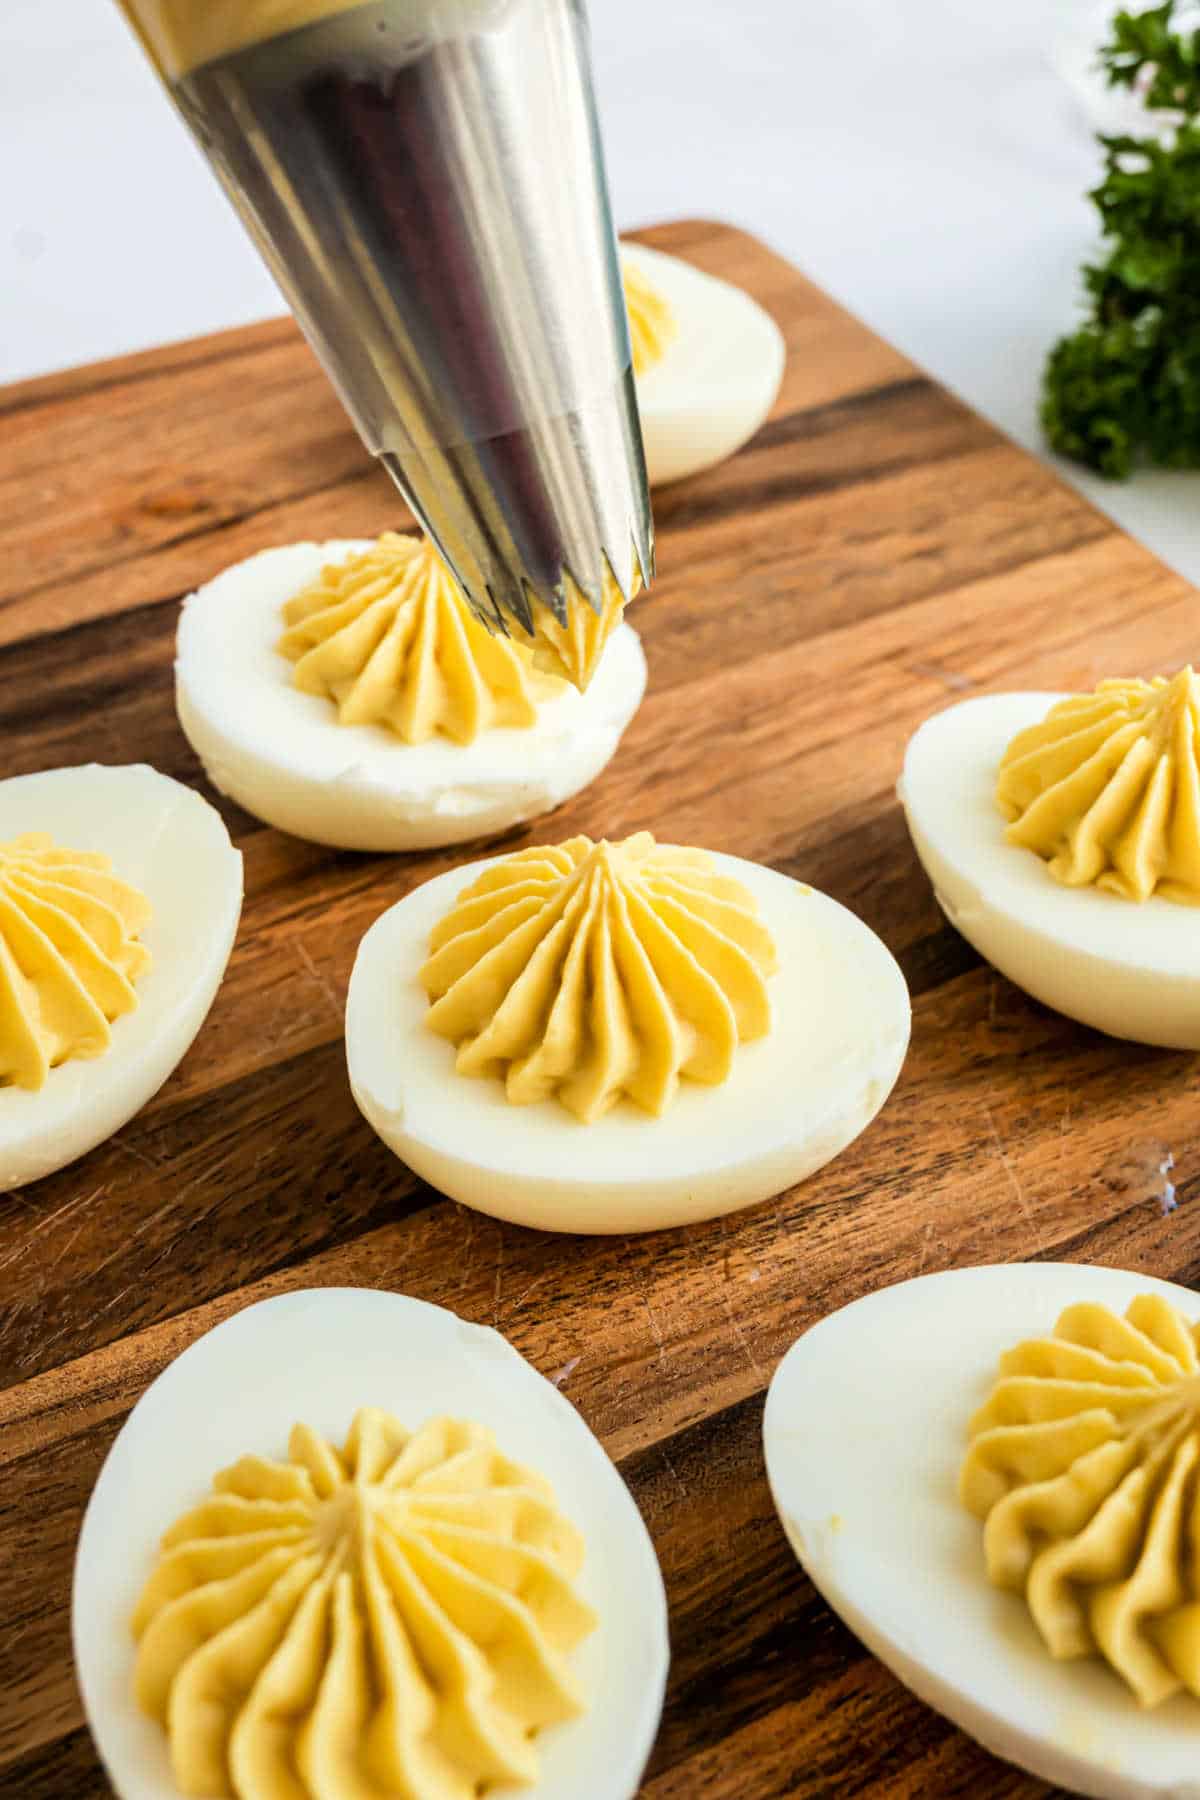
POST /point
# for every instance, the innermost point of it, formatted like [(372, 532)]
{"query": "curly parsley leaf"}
[(1125, 387)]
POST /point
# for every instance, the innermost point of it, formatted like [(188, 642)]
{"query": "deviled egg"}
[(343, 692), (1062, 837), (120, 894), (602, 1037), (708, 361), (1058, 1404), (436, 1583)]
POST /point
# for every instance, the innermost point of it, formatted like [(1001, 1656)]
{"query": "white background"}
[(925, 160)]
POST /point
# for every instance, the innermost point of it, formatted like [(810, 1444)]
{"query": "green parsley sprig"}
[(1125, 388)]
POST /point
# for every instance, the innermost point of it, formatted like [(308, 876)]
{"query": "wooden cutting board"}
[(876, 552)]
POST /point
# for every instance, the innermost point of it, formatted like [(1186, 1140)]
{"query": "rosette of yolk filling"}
[(652, 324), (1107, 788), (1085, 1466), (394, 1617), (387, 637), (573, 651), (69, 955), (585, 971)]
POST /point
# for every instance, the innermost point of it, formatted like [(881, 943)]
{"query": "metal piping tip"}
[(426, 181), (544, 520)]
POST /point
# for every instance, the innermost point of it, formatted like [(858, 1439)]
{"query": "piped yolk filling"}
[(386, 636), (69, 955), (393, 1616), (653, 326), (1084, 1466), (1106, 789), (587, 971)]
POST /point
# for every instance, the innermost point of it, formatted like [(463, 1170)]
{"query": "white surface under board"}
[(924, 162)]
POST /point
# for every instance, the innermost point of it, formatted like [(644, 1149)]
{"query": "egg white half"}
[(1128, 969), (718, 377), (317, 1355), (864, 1432), (170, 843), (284, 756), (792, 1101)]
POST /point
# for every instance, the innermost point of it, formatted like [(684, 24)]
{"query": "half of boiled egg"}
[(285, 756), (718, 374), (169, 843), (1124, 967), (318, 1355), (865, 1431), (793, 1100)]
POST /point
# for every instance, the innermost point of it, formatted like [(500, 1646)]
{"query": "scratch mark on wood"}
[(499, 1280), (950, 679), (523, 1296), (142, 1156), (77, 1203), (76, 1211), (655, 1328), (675, 1476), (1013, 1179), (724, 1224), (323, 982), (740, 1335)]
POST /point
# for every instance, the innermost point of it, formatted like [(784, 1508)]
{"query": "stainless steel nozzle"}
[(426, 181)]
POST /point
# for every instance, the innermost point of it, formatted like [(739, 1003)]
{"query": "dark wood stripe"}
[(1179, 1259), (122, 372), (65, 1769), (27, 699), (817, 421), (689, 505), (801, 424), (195, 535), (266, 1173), (935, 960), (735, 1637)]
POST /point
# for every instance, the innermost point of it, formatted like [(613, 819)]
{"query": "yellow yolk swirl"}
[(586, 971), (573, 651), (652, 324), (387, 636), (395, 1617), (69, 955), (1107, 789), (1084, 1465)]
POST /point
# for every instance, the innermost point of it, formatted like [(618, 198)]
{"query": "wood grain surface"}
[(876, 552)]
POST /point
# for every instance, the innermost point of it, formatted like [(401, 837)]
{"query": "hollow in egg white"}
[(867, 1425), (711, 372), (1123, 967), (287, 757), (172, 848), (793, 1097), (331, 1357)]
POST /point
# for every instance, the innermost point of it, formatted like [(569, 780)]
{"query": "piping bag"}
[(425, 181)]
